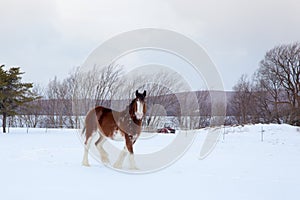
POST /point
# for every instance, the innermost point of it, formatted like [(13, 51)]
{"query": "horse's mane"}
[(131, 104), (129, 109)]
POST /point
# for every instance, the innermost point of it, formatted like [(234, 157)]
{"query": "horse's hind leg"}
[(87, 145), (99, 144)]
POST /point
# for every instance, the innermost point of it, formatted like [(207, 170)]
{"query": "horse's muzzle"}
[(139, 115)]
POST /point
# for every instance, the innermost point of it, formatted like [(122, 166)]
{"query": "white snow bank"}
[(41, 165)]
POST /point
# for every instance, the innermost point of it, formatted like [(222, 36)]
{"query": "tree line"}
[(64, 103), (272, 94)]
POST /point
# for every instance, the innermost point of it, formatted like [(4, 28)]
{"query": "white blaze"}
[(139, 110)]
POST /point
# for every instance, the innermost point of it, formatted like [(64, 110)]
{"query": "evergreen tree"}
[(13, 93)]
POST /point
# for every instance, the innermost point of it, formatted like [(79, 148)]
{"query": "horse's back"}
[(99, 110), (92, 118)]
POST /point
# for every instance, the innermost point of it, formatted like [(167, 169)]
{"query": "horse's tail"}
[(83, 130)]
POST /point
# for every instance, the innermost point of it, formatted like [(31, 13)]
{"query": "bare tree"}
[(32, 113), (54, 106), (283, 62), (204, 102), (161, 100), (107, 84), (242, 100), (96, 86), (269, 95), (161, 89)]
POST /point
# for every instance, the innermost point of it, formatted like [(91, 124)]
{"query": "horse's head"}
[(139, 105)]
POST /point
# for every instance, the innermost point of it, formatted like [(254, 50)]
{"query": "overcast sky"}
[(47, 37)]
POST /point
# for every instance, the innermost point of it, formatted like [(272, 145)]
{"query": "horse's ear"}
[(136, 93), (144, 93)]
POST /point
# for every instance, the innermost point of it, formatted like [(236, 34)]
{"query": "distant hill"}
[(170, 103)]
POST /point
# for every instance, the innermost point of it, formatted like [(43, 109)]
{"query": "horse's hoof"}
[(86, 164), (134, 168), (105, 161), (117, 166)]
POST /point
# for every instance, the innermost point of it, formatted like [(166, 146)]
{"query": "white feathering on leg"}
[(85, 161), (132, 162), (119, 163)]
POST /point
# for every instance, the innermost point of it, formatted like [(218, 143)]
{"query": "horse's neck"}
[(122, 117), (127, 121), (125, 113)]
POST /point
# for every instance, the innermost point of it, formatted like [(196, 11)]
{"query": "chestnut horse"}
[(111, 124)]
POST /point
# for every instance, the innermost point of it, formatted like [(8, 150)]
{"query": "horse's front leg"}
[(128, 148), (129, 144), (119, 163)]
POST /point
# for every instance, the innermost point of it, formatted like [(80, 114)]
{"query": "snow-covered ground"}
[(47, 165)]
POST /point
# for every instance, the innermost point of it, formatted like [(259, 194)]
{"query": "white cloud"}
[(97, 20)]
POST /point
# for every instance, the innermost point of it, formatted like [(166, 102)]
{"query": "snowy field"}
[(44, 165)]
